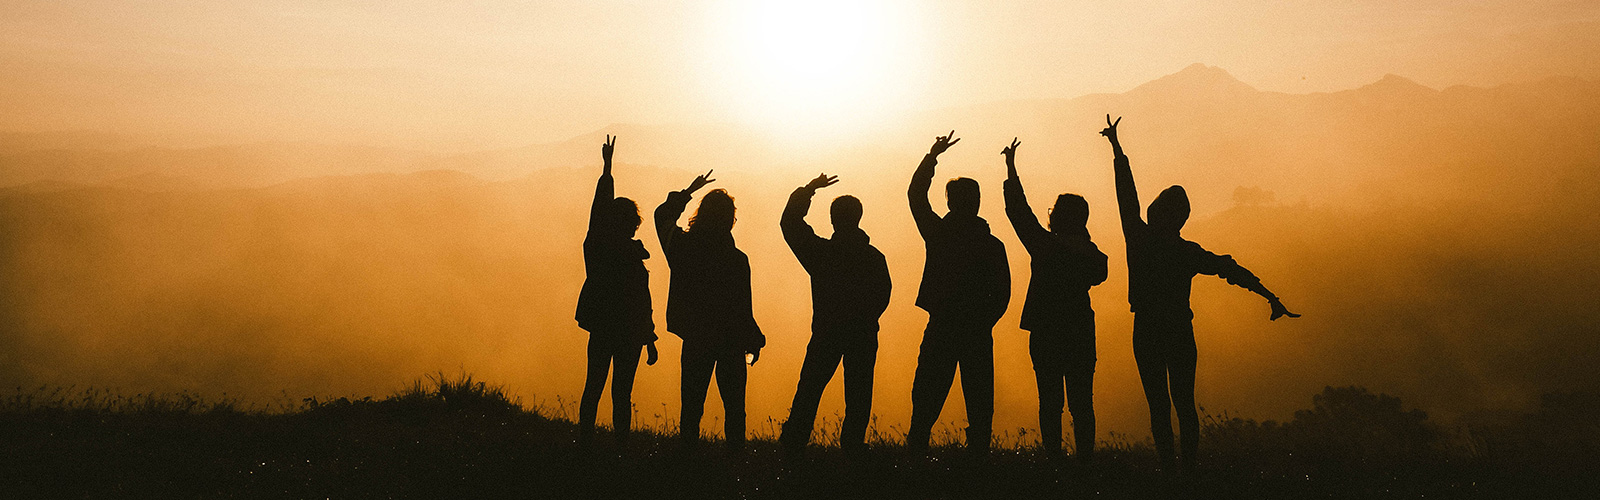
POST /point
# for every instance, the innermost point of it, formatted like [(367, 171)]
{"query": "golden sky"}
[(466, 75)]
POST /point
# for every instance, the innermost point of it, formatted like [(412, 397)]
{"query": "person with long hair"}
[(614, 306), (1161, 266), (1057, 315), (708, 306)]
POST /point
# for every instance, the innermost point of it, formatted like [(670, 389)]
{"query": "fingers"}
[(1108, 119), (1119, 120)]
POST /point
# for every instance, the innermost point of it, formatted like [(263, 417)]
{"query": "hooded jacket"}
[(850, 282), (966, 275), (1161, 264), (615, 300), (708, 299)]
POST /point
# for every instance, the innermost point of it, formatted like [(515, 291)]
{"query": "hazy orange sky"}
[(464, 75)]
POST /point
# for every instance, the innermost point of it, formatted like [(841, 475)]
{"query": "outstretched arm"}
[(801, 238), (922, 180), (1225, 267), (667, 213), (1127, 193), (1023, 221), (605, 190)]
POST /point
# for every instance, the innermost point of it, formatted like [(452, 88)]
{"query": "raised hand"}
[(1111, 128), (1011, 152), (700, 182), (942, 143), (822, 181), (650, 349), (607, 148), (1278, 311)]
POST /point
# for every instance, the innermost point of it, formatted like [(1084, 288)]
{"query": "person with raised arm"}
[(708, 305), (614, 305), (1161, 267), (966, 286), (849, 291), (1056, 314)]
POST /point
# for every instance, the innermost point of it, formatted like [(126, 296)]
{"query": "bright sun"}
[(805, 63)]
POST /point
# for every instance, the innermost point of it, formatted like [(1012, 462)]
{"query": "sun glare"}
[(808, 63)]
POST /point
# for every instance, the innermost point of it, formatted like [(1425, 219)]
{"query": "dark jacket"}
[(965, 275), (849, 277), (1162, 266), (615, 300), (1064, 267), (708, 299)]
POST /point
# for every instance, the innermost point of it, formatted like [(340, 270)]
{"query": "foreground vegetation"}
[(454, 438)]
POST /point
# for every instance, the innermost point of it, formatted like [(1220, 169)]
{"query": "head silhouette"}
[(715, 212), (1070, 213), (1169, 211), (621, 217), (846, 212), (961, 195)]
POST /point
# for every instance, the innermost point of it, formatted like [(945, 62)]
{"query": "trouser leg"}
[(815, 372), (977, 384), (1047, 376), (625, 363), (936, 370), (697, 365), (1079, 384), (860, 363), (731, 378), (1150, 354), (594, 384), (1182, 360)]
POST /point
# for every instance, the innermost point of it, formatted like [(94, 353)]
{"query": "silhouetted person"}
[(849, 291), (614, 305), (966, 285), (1161, 265), (708, 305), (1057, 314)]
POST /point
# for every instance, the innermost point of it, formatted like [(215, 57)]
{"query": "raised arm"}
[(1023, 221), (922, 181), (1223, 266), (1127, 193), (605, 190), (801, 238), (667, 213)]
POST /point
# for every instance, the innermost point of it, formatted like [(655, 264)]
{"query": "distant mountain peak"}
[(1196, 78), (1396, 83)]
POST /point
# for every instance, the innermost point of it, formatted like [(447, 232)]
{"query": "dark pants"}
[(947, 346), (1165, 351), (604, 354), (1063, 363), (823, 356), (700, 360)]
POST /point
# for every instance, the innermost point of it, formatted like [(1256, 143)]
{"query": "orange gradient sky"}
[(466, 75)]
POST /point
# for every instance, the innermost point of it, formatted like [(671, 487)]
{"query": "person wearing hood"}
[(849, 291), (1161, 267), (708, 305), (614, 305), (1057, 314), (966, 286)]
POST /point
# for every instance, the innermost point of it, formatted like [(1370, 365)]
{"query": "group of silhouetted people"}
[(965, 289)]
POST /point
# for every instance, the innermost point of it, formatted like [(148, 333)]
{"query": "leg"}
[(1080, 400), (860, 363), (1149, 352), (1183, 359), (625, 363), (821, 361), (697, 366), (594, 383), (977, 384), (1047, 375), (731, 378), (936, 370)]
